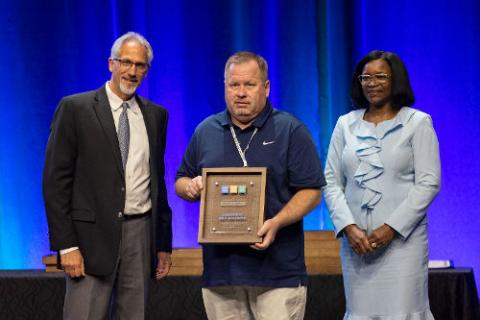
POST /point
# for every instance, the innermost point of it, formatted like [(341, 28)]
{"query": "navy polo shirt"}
[(283, 145)]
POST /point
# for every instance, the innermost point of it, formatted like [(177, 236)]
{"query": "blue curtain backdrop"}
[(55, 48)]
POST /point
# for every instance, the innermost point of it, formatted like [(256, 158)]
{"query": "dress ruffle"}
[(371, 166)]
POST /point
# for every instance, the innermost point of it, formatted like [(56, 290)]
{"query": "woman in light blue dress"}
[(383, 171)]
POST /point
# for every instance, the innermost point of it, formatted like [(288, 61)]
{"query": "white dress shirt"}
[(137, 169)]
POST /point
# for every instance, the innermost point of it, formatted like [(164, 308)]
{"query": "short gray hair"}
[(131, 36), (245, 56)]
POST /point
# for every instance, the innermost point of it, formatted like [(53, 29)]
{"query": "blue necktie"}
[(124, 134)]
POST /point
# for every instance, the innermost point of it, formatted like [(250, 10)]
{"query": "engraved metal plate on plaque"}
[(232, 205)]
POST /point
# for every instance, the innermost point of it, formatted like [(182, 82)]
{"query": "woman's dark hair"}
[(402, 93)]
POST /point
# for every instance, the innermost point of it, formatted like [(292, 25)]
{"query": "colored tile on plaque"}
[(224, 189), (233, 189), (242, 189)]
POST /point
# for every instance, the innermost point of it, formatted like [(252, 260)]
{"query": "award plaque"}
[(232, 205)]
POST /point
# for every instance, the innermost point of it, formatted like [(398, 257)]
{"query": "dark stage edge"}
[(34, 294)]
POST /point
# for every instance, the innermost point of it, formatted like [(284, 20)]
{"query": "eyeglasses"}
[(127, 64), (378, 78)]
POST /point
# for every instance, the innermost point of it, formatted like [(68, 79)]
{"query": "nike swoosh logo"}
[(268, 142)]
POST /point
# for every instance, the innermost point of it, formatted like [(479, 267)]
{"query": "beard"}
[(128, 90)]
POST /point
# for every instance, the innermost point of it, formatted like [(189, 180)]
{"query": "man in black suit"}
[(104, 190)]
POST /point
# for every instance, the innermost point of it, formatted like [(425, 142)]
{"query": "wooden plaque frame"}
[(232, 205)]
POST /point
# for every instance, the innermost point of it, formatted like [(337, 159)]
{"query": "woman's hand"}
[(381, 237), (358, 239)]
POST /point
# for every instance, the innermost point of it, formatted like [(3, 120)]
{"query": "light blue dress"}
[(386, 173)]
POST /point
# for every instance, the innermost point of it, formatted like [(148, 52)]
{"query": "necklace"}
[(237, 144)]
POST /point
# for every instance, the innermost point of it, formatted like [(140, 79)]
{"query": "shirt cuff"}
[(65, 251)]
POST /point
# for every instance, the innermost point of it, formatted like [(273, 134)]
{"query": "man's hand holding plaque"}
[(193, 188), (268, 232)]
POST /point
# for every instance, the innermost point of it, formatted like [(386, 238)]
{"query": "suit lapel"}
[(150, 124), (105, 117)]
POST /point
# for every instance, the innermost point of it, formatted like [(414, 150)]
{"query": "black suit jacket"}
[(84, 183)]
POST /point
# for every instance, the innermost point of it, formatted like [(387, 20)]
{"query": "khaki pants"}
[(259, 303)]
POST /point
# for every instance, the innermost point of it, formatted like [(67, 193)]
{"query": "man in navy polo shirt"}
[(266, 280)]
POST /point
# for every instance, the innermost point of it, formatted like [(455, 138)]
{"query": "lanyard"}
[(237, 144)]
